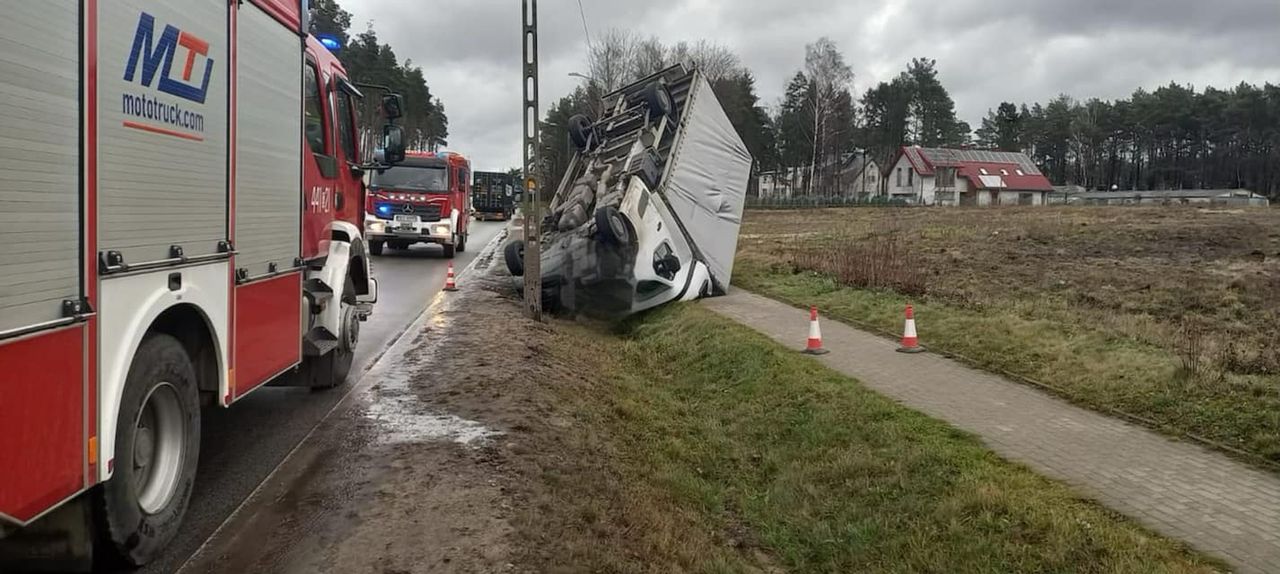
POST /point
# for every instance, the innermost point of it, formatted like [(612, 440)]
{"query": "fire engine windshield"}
[(410, 178)]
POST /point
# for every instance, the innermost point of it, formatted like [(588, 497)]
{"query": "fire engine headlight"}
[(442, 230), (377, 227)]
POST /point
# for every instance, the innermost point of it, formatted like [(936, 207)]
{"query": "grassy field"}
[(1167, 314), (708, 448)]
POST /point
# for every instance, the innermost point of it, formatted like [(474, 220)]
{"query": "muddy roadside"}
[(450, 456)]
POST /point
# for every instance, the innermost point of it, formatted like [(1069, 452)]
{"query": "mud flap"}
[(316, 372)]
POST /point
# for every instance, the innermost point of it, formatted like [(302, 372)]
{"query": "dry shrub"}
[(1256, 356), (1201, 360), (879, 261)]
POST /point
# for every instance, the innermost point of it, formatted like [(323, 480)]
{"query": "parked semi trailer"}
[(494, 195), (650, 207), (181, 214)]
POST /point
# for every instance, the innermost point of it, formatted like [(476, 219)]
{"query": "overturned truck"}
[(649, 209)]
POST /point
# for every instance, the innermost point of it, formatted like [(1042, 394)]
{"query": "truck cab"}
[(424, 199)]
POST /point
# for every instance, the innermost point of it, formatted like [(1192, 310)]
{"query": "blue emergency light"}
[(330, 42), (384, 209)]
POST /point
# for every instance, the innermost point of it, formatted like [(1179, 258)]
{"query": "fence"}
[(808, 202)]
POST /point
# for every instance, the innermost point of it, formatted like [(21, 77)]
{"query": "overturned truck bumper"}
[(651, 205)]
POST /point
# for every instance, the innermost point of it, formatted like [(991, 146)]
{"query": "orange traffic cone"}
[(449, 283), (910, 342), (814, 347)]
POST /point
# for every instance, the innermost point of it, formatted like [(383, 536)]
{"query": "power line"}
[(585, 30)]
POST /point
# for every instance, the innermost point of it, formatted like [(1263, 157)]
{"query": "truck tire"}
[(157, 444), (348, 339), (345, 354), (450, 251), (375, 247), (580, 131), (611, 227), (462, 243), (659, 100), (514, 255)]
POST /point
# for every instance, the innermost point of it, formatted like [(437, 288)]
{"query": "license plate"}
[(407, 219)]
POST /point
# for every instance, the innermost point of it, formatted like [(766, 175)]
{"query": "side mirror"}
[(392, 106), (392, 144)]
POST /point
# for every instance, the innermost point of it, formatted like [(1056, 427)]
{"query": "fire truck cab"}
[(181, 211), (424, 199)]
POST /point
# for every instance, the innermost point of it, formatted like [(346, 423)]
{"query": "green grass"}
[(770, 462), (1056, 345)]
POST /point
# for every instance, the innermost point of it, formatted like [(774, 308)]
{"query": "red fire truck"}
[(424, 199), (180, 209)]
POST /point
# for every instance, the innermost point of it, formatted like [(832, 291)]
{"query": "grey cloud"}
[(988, 51)]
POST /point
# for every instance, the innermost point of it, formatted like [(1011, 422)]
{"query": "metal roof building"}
[(1240, 197)]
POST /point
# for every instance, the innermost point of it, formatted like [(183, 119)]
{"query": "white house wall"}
[(921, 188)]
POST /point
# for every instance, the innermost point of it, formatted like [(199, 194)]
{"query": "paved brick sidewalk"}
[(1182, 490)]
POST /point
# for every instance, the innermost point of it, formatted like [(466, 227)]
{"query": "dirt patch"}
[(471, 452)]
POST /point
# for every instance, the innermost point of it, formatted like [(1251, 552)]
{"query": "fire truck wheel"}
[(450, 251), (375, 247), (157, 445), (462, 243), (514, 254), (349, 338)]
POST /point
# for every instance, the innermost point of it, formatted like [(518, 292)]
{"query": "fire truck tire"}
[(462, 243), (346, 352), (580, 131), (514, 255), (349, 339), (450, 251), (140, 509), (375, 247)]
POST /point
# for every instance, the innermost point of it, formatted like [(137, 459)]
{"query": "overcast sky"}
[(987, 50)]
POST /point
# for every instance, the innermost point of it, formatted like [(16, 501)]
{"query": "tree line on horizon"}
[(369, 61), (1175, 137)]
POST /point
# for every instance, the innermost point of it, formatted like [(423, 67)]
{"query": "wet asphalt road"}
[(240, 446)]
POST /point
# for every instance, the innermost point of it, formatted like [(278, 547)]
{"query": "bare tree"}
[(829, 79), (612, 58), (652, 56), (715, 61)]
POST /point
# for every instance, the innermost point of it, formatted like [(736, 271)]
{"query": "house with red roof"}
[(941, 176)]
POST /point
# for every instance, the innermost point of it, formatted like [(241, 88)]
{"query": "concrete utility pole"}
[(532, 169)]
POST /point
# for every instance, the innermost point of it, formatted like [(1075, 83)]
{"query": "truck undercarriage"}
[(649, 209)]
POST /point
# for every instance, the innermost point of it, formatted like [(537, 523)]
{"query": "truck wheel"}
[(611, 227), (375, 247), (449, 251), (659, 100), (348, 338), (462, 243), (514, 254), (157, 444), (580, 131), (345, 354)]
